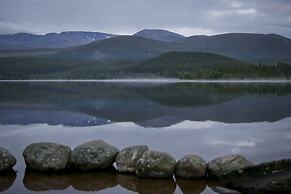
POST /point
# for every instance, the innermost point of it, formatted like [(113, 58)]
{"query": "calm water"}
[(207, 119)]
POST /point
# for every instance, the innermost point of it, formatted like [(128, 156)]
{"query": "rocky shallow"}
[(234, 171)]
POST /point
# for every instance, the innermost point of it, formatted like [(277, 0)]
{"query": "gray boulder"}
[(7, 160), (46, 156), (269, 177), (126, 159), (155, 164), (225, 164), (191, 166), (94, 155)]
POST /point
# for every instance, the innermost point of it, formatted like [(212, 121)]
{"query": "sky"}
[(187, 17)]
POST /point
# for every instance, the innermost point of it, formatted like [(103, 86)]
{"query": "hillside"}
[(200, 65), (160, 35), (174, 63), (121, 47), (25, 41), (251, 47), (184, 65)]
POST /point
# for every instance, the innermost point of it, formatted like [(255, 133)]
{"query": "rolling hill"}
[(22, 41), (158, 34), (174, 63), (201, 65)]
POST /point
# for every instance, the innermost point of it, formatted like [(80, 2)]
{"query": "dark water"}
[(205, 119)]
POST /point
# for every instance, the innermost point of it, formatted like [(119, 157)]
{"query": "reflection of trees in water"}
[(140, 102), (182, 94), (6, 180)]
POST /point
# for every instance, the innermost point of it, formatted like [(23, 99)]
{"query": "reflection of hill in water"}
[(145, 104)]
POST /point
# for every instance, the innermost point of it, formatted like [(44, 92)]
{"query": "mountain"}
[(254, 48), (120, 47), (22, 41), (251, 47), (161, 35)]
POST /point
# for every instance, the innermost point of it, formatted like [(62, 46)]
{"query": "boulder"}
[(94, 155), (155, 164), (7, 160), (46, 156), (269, 177), (191, 166), (225, 164), (126, 159)]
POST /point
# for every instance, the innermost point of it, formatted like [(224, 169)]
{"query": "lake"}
[(207, 119)]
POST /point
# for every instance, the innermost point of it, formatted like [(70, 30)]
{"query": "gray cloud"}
[(187, 17)]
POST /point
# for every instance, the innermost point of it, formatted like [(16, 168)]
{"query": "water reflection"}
[(85, 181), (147, 186), (191, 186), (6, 180), (91, 181), (102, 181), (157, 105), (35, 181)]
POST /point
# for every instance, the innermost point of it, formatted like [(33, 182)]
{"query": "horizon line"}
[(131, 34)]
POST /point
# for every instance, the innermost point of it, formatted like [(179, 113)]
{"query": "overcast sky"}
[(188, 17)]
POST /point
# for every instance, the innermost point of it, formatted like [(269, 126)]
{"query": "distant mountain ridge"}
[(51, 40), (160, 35), (253, 48), (121, 47), (245, 46)]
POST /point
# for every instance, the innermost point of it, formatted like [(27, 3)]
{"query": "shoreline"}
[(151, 81)]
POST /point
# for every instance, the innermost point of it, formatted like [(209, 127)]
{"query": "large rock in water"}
[(46, 156), (270, 177), (155, 164), (225, 164), (126, 159), (7, 160), (94, 155), (191, 166)]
